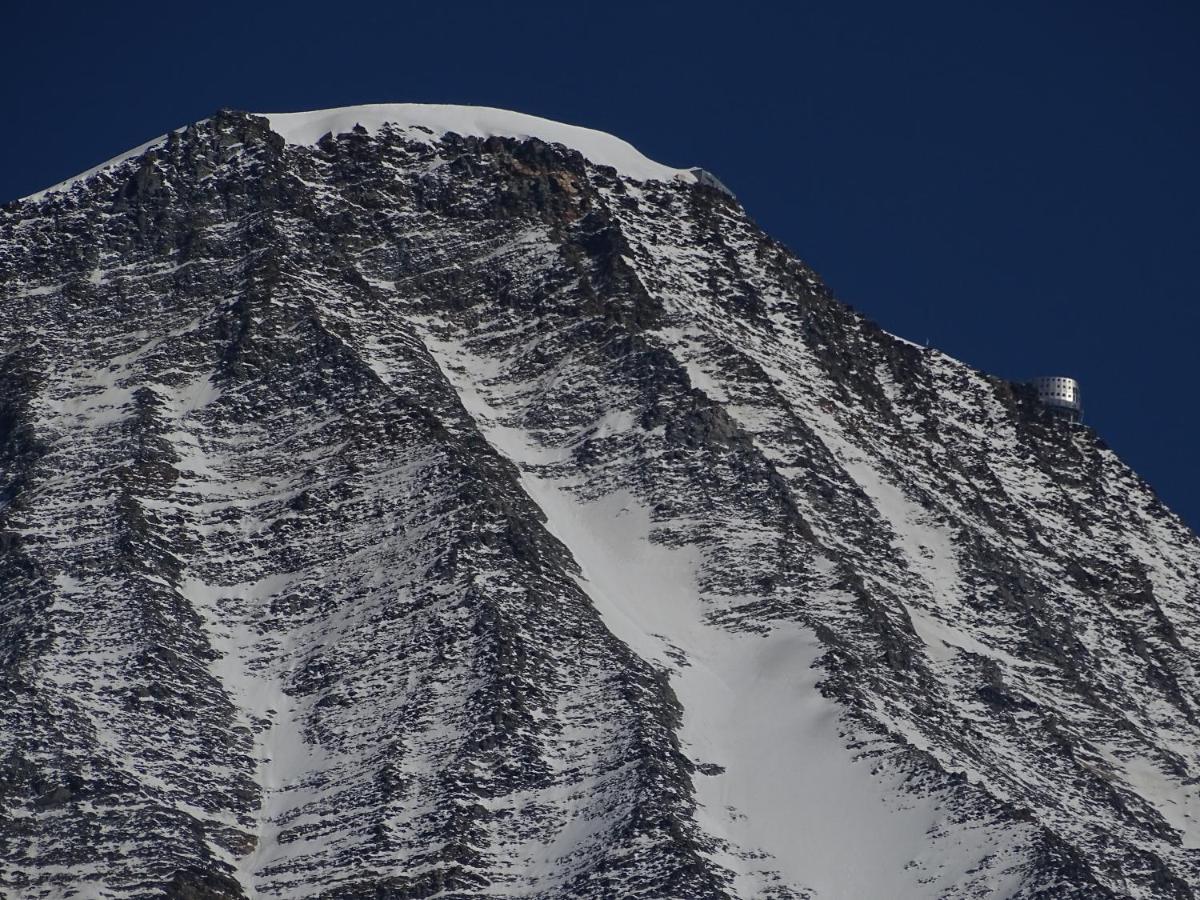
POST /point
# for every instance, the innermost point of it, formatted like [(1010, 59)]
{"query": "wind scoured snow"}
[(429, 122)]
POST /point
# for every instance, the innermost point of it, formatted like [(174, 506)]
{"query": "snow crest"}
[(431, 121)]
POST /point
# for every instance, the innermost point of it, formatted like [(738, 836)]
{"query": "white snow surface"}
[(430, 121)]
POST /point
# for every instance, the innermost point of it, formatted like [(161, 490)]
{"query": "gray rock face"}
[(391, 518)]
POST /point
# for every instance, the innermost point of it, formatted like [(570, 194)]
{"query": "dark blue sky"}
[(1018, 183)]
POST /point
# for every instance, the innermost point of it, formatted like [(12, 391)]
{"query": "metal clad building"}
[(1060, 394)]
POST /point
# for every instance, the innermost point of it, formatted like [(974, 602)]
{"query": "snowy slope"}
[(429, 511), (793, 805)]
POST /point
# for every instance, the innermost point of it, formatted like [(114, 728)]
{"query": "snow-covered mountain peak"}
[(430, 121), (413, 514)]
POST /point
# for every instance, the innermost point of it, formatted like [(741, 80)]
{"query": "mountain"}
[(406, 501)]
